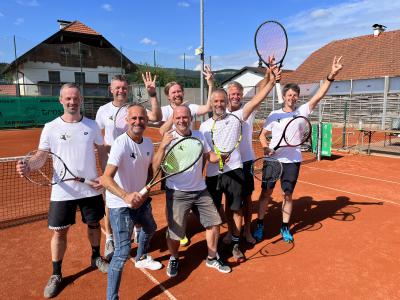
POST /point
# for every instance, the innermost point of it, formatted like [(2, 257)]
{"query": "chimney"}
[(378, 29), (63, 23)]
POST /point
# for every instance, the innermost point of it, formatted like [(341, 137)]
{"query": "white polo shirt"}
[(276, 123), (167, 112), (192, 179), (74, 144), (235, 160), (133, 161)]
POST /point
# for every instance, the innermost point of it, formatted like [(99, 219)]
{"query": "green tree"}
[(163, 76)]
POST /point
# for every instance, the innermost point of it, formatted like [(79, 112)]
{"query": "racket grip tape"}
[(278, 89), (144, 191), (87, 181)]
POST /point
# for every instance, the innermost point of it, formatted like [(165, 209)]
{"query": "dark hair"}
[(119, 77), (291, 86)]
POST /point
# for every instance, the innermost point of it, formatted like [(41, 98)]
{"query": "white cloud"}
[(28, 3), (320, 13), (197, 67), (19, 21), (183, 4), (187, 57), (107, 7), (148, 41)]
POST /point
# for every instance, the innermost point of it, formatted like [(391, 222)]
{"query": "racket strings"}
[(226, 133), (267, 169), (271, 40), (182, 156), (44, 168), (297, 132), (120, 120)]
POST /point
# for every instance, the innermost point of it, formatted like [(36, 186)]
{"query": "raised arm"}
[(266, 85), (155, 114), (166, 126), (209, 76), (336, 67)]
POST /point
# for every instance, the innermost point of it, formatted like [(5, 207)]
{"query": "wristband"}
[(329, 79), (152, 94)]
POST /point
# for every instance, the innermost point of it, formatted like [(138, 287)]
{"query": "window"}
[(54, 76), (65, 51), (103, 78), (79, 77)]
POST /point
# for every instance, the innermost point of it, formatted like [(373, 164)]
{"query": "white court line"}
[(373, 178), (351, 193), (151, 278)]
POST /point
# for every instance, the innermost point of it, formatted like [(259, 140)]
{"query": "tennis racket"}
[(297, 131), (46, 168), (271, 40), (120, 125), (226, 134), (179, 158), (267, 169)]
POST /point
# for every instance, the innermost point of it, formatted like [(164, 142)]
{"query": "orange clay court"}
[(345, 224)]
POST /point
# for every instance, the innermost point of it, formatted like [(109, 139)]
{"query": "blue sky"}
[(172, 27)]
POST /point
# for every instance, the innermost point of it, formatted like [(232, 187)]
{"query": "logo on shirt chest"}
[(133, 155), (65, 137), (111, 118)]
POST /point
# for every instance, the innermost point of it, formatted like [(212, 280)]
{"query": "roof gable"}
[(79, 27), (363, 57)]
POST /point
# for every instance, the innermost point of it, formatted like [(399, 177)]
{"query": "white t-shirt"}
[(246, 144), (234, 162), (105, 119), (167, 112), (276, 122), (192, 179), (74, 144), (133, 161)]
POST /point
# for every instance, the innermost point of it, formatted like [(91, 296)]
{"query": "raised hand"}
[(150, 83), (208, 75), (336, 67)]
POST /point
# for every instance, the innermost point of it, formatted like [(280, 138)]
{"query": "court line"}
[(361, 176), (151, 277), (351, 193)]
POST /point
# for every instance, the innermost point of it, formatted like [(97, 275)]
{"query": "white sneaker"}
[(148, 263)]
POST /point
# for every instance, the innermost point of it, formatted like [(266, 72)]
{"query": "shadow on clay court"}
[(307, 215), (71, 278)]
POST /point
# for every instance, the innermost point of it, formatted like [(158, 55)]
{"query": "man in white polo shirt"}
[(105, 119), (128, 169), (73, 137), (188, 191)]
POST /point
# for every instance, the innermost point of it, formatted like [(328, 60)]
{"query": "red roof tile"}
[(8, 89), (79, 27), (363, 57)]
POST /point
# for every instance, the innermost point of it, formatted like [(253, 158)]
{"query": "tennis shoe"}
[(286, 235), (53, 286), (100, 263), (258, 234), (109, 250), (148, 263), (218, 264), (172, 269), (237, 253)]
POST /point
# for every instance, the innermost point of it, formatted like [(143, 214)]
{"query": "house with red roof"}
[(75, 53)]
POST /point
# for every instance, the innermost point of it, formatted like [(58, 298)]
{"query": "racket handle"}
[(144, 191), (89, 182), (279, 92)]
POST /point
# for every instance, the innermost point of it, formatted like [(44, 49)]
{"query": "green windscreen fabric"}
[(16, 112)]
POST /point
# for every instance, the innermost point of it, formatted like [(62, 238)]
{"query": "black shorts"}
[(248, 186), (290, 173), (231, 185), (62, 213)]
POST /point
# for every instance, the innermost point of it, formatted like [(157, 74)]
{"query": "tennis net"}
[(22, 201)]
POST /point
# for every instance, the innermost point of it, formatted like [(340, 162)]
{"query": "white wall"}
[(248, 80)]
